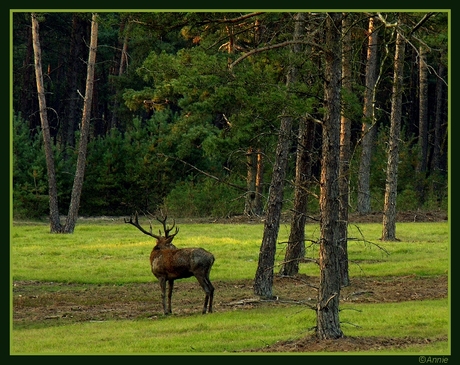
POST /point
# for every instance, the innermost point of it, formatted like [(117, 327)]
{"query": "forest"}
[(188, 109)]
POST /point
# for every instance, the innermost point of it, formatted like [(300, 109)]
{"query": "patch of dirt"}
[(347, 344), (51, 304)]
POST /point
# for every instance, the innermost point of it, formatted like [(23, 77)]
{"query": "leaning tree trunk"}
[(389, 209), (263, 283), (295, 249), (367, 134), (327, 311), (82, 148), (55, 225)]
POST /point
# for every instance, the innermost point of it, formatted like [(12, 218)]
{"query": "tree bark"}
[(263, 283), (389, 209), (422, 123), (345, 141), (436, 160), (367, 131), (55, 225), (328, 324), (295, 250), (254, 166), (85, 123)]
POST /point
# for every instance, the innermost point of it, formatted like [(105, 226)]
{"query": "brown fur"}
[(169, 263)]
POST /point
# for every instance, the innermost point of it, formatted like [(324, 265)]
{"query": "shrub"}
[(203, 198)]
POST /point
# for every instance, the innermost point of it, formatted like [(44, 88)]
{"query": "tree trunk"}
[(85, 123), (258, 202), (389, 209), (253, 200), (436, 160), (55, 225), (368, 132), (328, 324), (250, 182), (422, 124), (263, 283), (345, 141), (295, 250)]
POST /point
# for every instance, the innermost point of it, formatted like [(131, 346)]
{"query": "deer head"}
[(162, 241)]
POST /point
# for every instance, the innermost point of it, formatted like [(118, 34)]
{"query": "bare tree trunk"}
[(436, 160), (295, 250), (263, 282), (422, 123), (55, 225), (389, 209), (367, 135), (85, 123), (328, 323), (254, 165), (250, 182), (345, 141), (258, 202)]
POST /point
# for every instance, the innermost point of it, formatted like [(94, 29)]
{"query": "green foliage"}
[(172, 97), (29, 172), (409, 180), (203, 198)]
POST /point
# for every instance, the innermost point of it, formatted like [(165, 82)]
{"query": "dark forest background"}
[(178, 115)]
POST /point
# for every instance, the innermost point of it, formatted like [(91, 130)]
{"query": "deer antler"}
[(166, 229), (136, 224)]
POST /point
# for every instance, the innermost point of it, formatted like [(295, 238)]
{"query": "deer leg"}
[(170, 290), (211, 295), (162, 282), (209, 290)]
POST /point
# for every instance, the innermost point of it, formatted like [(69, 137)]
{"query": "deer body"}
[(169, 263)]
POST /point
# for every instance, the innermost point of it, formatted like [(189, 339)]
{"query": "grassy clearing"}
[(117, 254), (234, 331)]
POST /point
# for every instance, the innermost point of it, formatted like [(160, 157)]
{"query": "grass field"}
[(108, 255)]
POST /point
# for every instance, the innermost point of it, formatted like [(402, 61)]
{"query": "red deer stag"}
[(169, 263)]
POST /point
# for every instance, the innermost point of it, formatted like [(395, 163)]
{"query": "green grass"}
[(233, 331), (118, 254)]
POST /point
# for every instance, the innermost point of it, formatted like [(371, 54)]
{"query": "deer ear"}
[(168, 240)]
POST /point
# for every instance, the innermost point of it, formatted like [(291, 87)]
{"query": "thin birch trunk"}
[(85, 123), (55, 225)]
